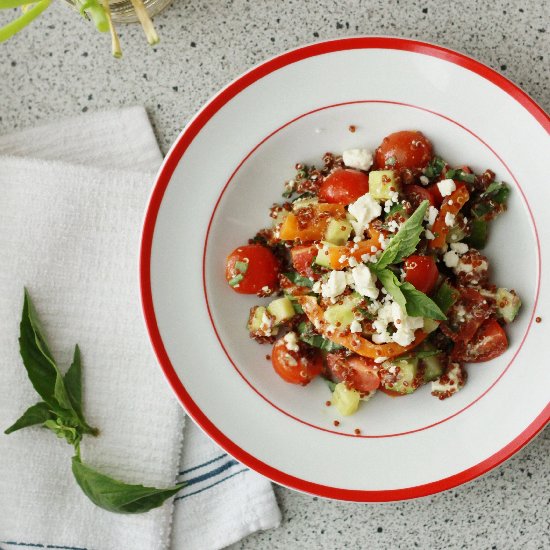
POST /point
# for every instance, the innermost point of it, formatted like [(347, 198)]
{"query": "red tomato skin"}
[(263, 268), (409, 148), (489, 342), (359, 373), (302, 258), (296, 367), (421, 272), (344, 186), (436, 194), (476, 309), (416, 194)]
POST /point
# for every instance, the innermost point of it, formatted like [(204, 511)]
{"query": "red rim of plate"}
[(162, 182)]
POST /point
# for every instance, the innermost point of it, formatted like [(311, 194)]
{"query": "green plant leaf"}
[(405, 241), (420, 305), (446, 296), (297, 279), (116, 496), (73, 383), (37, 414), (391, 283)]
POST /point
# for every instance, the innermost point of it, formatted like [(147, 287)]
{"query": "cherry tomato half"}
[(407, 149), (344, 186), (416, 194), (421, 272), (357, 372), (489, 342), (466, 315), (302, 258), (250, 268), (296, 367)]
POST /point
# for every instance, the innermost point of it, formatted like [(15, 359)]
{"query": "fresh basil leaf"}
[(297, 279), (308, 335), (37, 414), (331, 385), (446, 296), (418, 355), (391, 283), (405, 241), (65, 428), (73, 385), (37, 358), (297, 307), (478, 234), (116, 496), (460, 175), (419, 304)]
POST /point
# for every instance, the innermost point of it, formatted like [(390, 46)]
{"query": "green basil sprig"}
[(298, 280), (61, 412)]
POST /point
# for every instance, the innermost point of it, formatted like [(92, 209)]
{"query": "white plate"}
[(213, 192)]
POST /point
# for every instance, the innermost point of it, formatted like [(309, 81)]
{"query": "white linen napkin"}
[(70, 222)]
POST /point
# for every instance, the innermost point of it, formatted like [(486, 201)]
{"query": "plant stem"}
[(7, 31), (95, 12), (115, 42), (8, 4), (146, 23)]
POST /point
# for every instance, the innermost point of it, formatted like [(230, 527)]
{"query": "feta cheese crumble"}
[(432, 215), (424, 180), (355, 326), (364, 210), (291, 341), (335, 285), (446, 187), (361, 159), (449, 219), (459, 248), (450, 258), (364, 281)]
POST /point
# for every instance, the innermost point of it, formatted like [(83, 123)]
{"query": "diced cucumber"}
[(342, 315), (282, 309), (403, 376), (449, 383), (430, 325), (508, 304), (255, 321), (382, 184), (261, 322), (338, 232), (345, 399), (302, 203), (433, 367), (455, 234), (322, 257)]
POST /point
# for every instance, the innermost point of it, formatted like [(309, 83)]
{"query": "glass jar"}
[(122, 11)]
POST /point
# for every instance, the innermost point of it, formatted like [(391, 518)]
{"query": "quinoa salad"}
[(372, 274)]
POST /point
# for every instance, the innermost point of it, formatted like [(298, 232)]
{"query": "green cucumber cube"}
[(345, 399), (282, 309), (382, 184), (338, 232)]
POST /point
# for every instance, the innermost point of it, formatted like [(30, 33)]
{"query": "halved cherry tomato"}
[(416, 194), (296, 367), (310, 223), (451, 205), (466, 315), (262, 269), (302, 257), (489, 342), (406, 149), (421, 272), (354, 342), (436, 194), (357, 372), (344, 186)]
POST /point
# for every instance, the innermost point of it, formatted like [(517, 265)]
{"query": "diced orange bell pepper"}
[(349, 250), (451, 205), (310, 222), (354, 342)]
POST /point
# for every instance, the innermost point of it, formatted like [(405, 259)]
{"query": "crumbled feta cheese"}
[(432, 215), (342, 259), (449, 219), (380, 359), (429, 235), (393, 226), (352, 261), (450, 202), (365, 257), (335, 285), (424, 180), (449, 383), (357, 239), (355, 326), (361, 159), (364, 210), (316, 287), (383, 242), (364, 281), (394, 197), (266, 324), (446, 187), (450, 258), (460, 248), (405, 325), (291, 341)]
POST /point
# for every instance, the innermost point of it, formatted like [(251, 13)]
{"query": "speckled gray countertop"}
[(61, 67)]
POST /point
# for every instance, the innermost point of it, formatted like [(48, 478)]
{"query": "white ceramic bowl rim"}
[(183, 142)]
